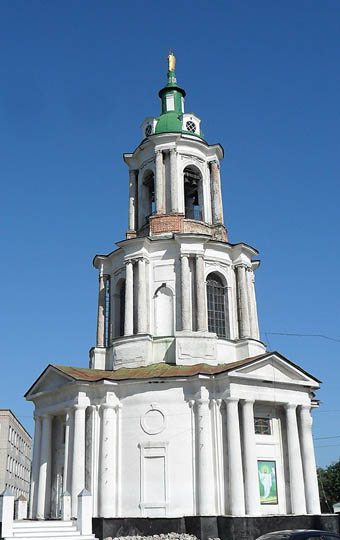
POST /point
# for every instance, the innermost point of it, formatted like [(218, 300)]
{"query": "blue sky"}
[(77, 80)]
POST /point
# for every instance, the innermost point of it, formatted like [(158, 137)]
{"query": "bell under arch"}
[(193, 193)]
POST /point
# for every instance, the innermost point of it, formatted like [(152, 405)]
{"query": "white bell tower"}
[(175, 291)]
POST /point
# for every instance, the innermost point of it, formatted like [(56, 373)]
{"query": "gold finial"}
[(171, 61)]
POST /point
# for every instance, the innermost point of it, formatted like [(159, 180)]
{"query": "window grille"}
[(216, 305), (262, 426)]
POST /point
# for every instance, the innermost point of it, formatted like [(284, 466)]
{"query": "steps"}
[(47, 530)]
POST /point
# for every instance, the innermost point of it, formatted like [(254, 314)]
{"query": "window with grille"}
[(262, 426), (216, 305), (191, 126)]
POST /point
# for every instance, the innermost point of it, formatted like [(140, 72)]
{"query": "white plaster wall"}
[(175, 436)]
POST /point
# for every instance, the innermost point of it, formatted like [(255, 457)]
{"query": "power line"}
[(332, 437), (296, 334)]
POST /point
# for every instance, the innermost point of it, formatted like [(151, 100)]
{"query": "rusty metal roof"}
[(154, 371)]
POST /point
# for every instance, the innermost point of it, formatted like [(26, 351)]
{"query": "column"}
[(297, 492), (128, 319), (101, 311), (141, 305), (253, 320), (68, 420), (78, 461), (44, 486), (201, 297), (242, 302), (107, 485), (216, 196), (133, 175), (173, 180), (35, 467), (204, 459), (236, 490), (185, 293), (308, 461), (159, 184), (251, 485)]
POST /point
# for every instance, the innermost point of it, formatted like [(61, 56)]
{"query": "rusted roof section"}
[(154, 371)]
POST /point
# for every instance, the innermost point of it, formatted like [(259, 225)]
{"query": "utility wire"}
[(301, 335)]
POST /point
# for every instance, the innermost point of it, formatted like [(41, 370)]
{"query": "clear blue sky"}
[(77, 80)]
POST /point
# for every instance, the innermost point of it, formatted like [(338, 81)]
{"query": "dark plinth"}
[(204, 527)]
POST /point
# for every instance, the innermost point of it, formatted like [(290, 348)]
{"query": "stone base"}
[(204, 527)]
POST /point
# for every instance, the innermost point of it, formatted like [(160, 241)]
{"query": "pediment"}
[(50, 379), (276, 369)]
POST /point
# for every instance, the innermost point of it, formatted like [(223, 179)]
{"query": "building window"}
[(191, 126), (262, 426), (216, 305)]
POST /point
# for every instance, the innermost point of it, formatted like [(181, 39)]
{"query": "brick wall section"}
[(166, 223)]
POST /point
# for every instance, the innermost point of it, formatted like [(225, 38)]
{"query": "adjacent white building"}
[(182, 410), (15, 455)]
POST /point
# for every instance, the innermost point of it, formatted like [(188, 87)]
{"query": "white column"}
[(236, 489), (297, 492), (185, 293), (204, 459), (141, 294), (68, 420), (253, 320), (251, 485), (173, 180), (216, 195), (35, 467), (242, 302), (101, 311), (159, 184), (133, 175), (107, 484), (44, 486), (201, 297), (128, 320), (308, 461), (78, 461)]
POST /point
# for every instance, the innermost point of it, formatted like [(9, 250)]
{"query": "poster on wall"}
[(267, 482)]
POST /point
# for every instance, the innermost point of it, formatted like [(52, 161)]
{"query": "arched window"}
[(193, 198), (122, 308), (217, 305)]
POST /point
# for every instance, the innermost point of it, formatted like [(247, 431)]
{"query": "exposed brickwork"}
[(166, 223)]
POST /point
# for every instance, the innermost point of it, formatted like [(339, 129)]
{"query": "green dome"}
[(169, 122)]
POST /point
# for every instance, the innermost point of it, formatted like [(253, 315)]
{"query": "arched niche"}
[(193, 193), (164, 311)]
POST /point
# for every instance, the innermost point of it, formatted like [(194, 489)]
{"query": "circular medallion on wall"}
[(153, 421)]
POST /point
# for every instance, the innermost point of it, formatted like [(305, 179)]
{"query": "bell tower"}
[(175, 291)]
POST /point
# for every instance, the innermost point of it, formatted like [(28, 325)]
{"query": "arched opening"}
[(193, 194), (217, 302), (164, 312), (149, 193)]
